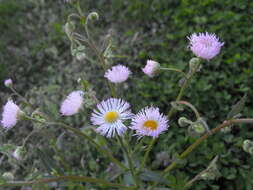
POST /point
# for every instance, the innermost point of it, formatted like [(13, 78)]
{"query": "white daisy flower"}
[(110, 115), (149, 122)]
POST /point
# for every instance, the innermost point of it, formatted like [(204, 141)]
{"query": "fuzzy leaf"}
[(237, 108)]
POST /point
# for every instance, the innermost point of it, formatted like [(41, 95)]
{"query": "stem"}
[(181, 93), (200, 140), (64, 178), (147, 153), (190, 106), (176, 70), (129, 161), (20, 96), (80, 133), (172, 110)]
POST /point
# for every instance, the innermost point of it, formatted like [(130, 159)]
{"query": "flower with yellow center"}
[(109, 117), (149, 122)]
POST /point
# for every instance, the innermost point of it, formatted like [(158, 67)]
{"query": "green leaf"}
[(237, 108), (148, 175)]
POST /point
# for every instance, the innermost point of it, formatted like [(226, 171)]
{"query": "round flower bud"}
[(93, 16), (198, 127), (183, 122), (194, 64), (152, 68), (8, 83), (247, 144), (8, 176)]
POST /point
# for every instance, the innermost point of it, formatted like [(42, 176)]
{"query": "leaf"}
[(177, 106), (128, 179), (7, 148), (148, 175), (237, 108)]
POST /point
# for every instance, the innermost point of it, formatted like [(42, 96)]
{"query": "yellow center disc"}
[(111, 116), (151, 124)]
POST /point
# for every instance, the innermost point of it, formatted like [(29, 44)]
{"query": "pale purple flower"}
[(72, 104), (10, 115), (8, 82), (152, 68), (149, 122), (110, 115), (117, 74), (205, 45)]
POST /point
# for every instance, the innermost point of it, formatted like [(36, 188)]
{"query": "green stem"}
[(80, 133), (176, 70), (172, 110), (21, 97), (129, 161), (64, 178), (181, 93), (190, 106), (200, 140), (147, 153)]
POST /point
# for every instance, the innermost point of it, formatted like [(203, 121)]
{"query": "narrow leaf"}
[(237, 108)]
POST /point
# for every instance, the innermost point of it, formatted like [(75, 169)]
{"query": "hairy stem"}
[(176, 70), (190, 106), (64, 178), (129, 160)]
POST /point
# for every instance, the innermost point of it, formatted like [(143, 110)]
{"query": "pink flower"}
[(149, 122), (10, 115), (8, 82), (152, 68), (118, 74), (72, 104), (205, 45)]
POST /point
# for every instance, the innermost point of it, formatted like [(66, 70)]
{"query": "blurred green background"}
[(35, 53)]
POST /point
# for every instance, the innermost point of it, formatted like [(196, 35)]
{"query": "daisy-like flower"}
[(8, 82), (152, 68), (205, 45), (110, 115), (72, 104), (10, 115), (117, 74), (149, 122)]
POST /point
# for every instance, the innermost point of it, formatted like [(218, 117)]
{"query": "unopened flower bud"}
[(93, 16), (247, 145), (198, 127), (152, 68), (183, 122), (8, 176), (8, 83), (250, 150), (19, 153), (69, 28), (194, 64)]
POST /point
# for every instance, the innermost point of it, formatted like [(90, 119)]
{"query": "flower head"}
[(10, 115), (205, 45), (72, 104), (110, 115), (8, 82), (118, 74), (152, 68), (149, 122)]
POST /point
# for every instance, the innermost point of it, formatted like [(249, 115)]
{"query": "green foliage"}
[(34, 51)]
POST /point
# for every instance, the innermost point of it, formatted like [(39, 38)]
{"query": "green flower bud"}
[(8, 176), (183, 122), (93, 16), (247, 145), (194, 64)]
